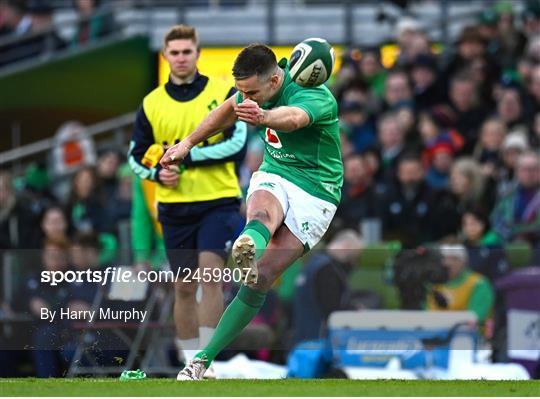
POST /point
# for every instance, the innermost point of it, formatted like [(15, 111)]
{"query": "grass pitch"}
[(289, 387)]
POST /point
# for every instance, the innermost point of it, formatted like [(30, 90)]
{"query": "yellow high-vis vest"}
[(171, 122)]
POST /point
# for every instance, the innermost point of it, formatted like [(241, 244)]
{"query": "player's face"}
[(182, 56), (258, 89)]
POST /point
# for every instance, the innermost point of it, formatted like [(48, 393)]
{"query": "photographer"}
[(323, 287), (464, 290)]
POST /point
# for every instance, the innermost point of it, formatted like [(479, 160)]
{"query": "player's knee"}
[(261, 215), (185, 290), (212, 285)]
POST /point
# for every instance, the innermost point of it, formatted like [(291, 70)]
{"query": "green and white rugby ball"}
[(311, 62)]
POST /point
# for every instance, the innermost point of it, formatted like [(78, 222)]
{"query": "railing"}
[(116, 125)]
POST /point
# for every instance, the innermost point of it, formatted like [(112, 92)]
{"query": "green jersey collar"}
[(283, 64)]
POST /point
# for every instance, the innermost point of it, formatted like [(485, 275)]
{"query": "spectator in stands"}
[(54, 224), (488, 149), (358, 194), (391, 137), (468, 110), (357, 124), (85, 205), (408, 30), (511, 41), (514, 144), (487, 28), (533, 100), (469, 187), (531, 19), (484, 247), (16, 19), (424, 74), (372, 71), (94, 22), (107, 166), (469, 47), (438, 173), (534, 134), (34, 198), (84, 253), (397, 89), (517, 214), (323, 287), (464, 290), (509, 107), (32, 23), (16, 223), (408, 206), (436, 137)]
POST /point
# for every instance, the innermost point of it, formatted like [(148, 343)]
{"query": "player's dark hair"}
[(254, 60)]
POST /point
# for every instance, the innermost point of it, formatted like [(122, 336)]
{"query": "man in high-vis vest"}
[(198, 205), (464, 290)]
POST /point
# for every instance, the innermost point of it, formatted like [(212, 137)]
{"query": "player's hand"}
[(169, 177), (175, 154), (250, 112)]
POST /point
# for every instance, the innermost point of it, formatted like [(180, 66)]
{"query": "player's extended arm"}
[(216, 121), (284, 119)]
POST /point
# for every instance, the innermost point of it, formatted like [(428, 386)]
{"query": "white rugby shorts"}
[(306, 216)]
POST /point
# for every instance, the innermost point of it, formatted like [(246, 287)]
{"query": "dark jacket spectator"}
[(427, 86), (86, 207), (358, 194), (408, 206), (484, 247), (468, 110), (517, 214), (322, 287)]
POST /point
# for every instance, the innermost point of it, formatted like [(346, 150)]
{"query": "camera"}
[(413, 271)]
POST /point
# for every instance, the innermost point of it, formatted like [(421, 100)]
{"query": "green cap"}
[(488, 17), (504, 7), (132, 375)]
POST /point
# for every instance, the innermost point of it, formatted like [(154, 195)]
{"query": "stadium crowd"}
[(440, 148)]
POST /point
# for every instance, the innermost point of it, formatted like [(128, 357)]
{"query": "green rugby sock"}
[(260, 235), (236, 317)]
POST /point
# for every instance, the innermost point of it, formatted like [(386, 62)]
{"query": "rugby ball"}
[(311, 62)]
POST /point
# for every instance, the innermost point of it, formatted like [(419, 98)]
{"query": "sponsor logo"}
[(305, 227), (272, 138), (314, 74), (280, 155), (212, 105), (268, 184)]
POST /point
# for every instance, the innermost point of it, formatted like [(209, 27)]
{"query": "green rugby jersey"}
[(309, 157)]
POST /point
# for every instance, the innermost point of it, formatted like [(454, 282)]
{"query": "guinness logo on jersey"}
[(272, 138)]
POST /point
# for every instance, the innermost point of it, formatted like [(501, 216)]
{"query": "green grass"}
[(291, 387)]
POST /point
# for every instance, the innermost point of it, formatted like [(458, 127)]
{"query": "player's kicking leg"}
[(283, 249)]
